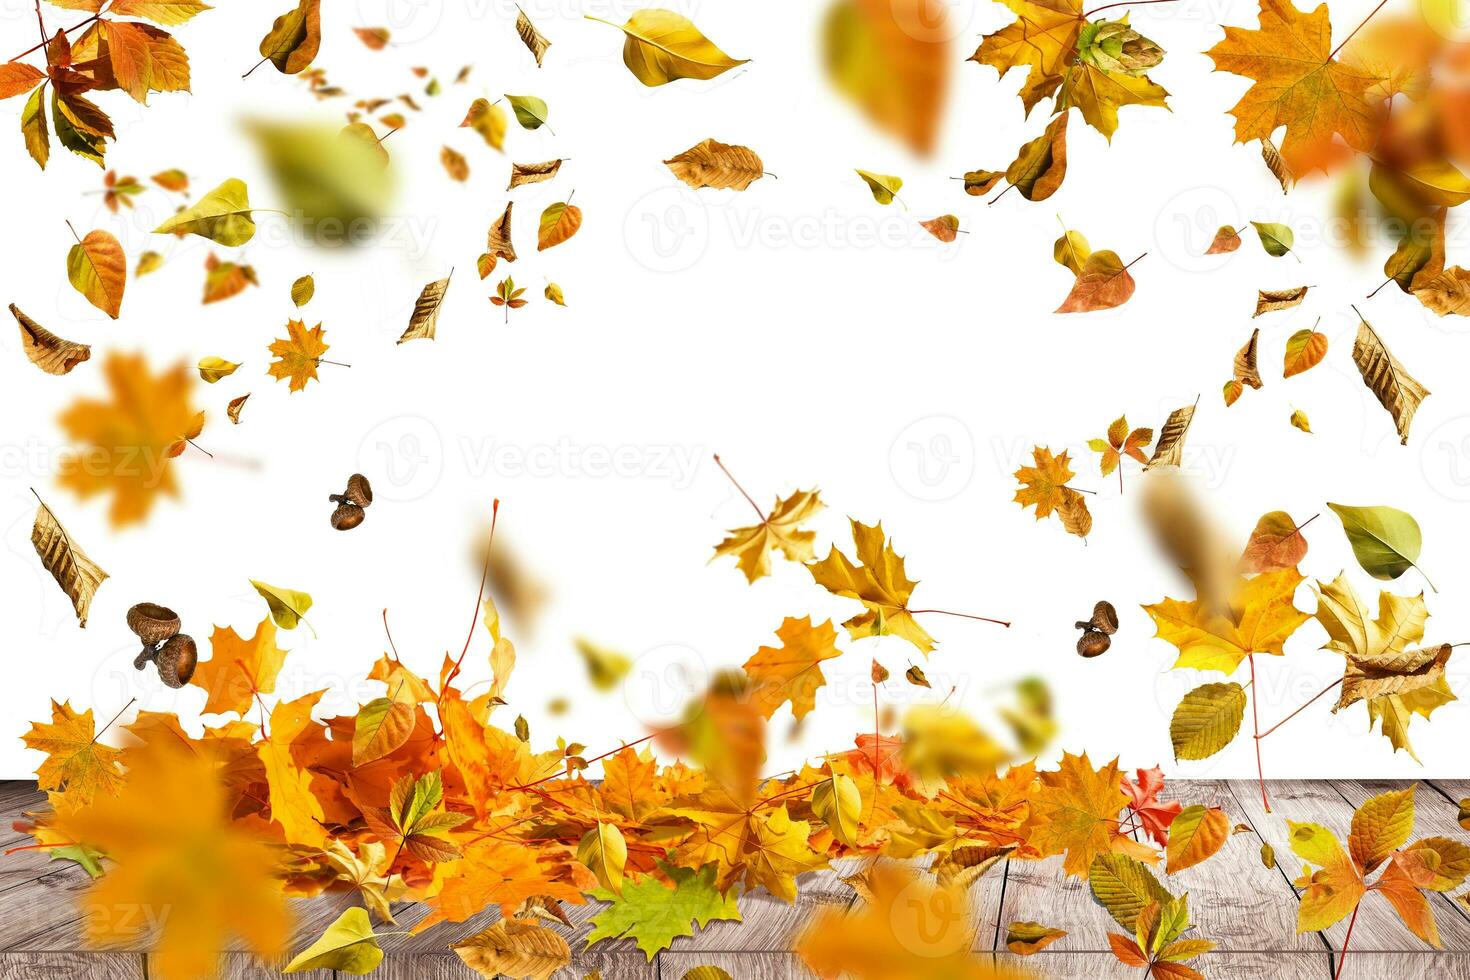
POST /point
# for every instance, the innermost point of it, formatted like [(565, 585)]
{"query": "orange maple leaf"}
[(1299, 85), (77, 765), (239, 669), (124, 443), (792, 672), (1076, 810), (298, 355)]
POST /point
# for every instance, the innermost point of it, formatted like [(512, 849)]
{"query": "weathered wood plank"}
[(72, 966), (243, 966), (744, 966), (1378, 928), (1225, 966), (769, 924), (1427, 965), (445, 965)]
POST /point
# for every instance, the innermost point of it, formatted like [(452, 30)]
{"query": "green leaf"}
[(85, 855), (288, 607), (222, 215), (884, 186), (1124, 886), (349, 946), (530, 111), (1386, 541), (1206, 720), (1275, 239), (654, 914)]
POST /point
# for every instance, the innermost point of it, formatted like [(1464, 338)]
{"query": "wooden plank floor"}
[(1248, 909)]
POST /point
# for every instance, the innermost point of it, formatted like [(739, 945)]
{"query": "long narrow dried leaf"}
[(1169, 450), (1276, 165), (1246, 371), (1272, 300), (532, 173), (532, 38), (498, 243), (710, 163), (1393, 386), (46, 350), (425, 317), (77, 574)]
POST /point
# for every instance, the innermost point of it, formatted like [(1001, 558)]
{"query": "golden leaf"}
[(710, 163), (77, 764), (559, 222), (425, 317), (662, 46), (239, 669), (1393, 386), (778, 531), (297, 356), (46, 350), (878, 582), (792, 672), (78, 575), (97, 268)]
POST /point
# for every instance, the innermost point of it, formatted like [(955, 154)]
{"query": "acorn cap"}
[(347, 516), (152, 623), (1093, 644), (1104, 617), (359, 490), (177, 659)]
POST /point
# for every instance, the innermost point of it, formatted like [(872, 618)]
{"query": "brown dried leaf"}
[(1272, 300), (1103, 284), (425, 317), (534, 40), (77, 574), (710, 163), (1393, 386), (46, 350), (1276, 543), (532, 173)]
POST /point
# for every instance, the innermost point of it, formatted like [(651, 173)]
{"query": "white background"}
[(808, 335)]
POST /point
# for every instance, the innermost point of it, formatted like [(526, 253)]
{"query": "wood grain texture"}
[(1378, 928), (445, 965), (1215, 966), (743, 966), (71, 966)]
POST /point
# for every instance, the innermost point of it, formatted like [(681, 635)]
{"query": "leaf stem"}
[(45, 41), (946, 612), (1122, 3), (1299, 710), (1355, 30), (1342, 953), (115, 717), (389, 632), (749, 499), (1381, 285), (1256, 723), (255, 66), (479, 597)]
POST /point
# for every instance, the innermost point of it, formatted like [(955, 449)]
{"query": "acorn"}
[(1093, 643), (1104, 619), (176, 660), (358, 492), (347, 516), (152, 623)]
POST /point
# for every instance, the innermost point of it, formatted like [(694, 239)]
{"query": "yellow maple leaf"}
[(181, 866), (239, 669), (493, 872), (1042, 40), (1044, 486), (1099, 94), (77, 765), (123, 444), (1260, 619), (293, 806), (778, 531), (793, 671), (298, 355), (878, 582), (1299, 85), (1076, 809), (760, 844)]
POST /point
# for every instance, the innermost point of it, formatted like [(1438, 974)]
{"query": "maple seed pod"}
[(152, 623), (347, 516), (177, 659), (1093, 644), (1104, 619)]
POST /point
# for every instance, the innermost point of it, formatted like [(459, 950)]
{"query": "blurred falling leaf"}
[(376, 38), (487, 119), (225, 279), (149, 261), (333, 185), (605, 668), (222, 215), (455, 164)]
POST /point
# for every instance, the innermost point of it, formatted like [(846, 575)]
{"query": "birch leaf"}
[(530, 111), (533, 39), (77, 574), (532, 173), (662, 46), (222, 215), (1393, 386), (1273, 300), (559, 222), (97, 268), (425, 317), (302, 290), (46, 350), (722, 166)]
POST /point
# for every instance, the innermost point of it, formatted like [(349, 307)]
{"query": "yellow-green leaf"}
[(288, 607), (348, 946), (222, 215), (1206, 720), (837, 803), (530, 111), (97, 268), (1385, 540), (662, 46), (605, 853), (885, 187)]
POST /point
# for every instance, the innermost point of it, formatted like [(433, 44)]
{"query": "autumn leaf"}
[(654, 914), (1260, 619), (946, 227), (294, 38), (223, 215), (533, 39), (487, 119), (1153, 815), (298, 354), (559, 222), (514, 948), (1275, 300), (1102, 284), (412, 820), (239, 669), (1304, 351), (1026, 938), (1076, 810), (1276, 542), (347, 945), (1226, 240), (892, 61), (1041, 164), (46, 350), (1298, 84), (530, 111), (293, 805), (877, 581), (1044, 487), (225, 279), (1396, 390), (1206, 720), (77, 766), (1121, 442), (424, 320), (884, 187), (780, 530), (1197, 833), (76, 574), (373, 38), (710, 163), (97, 268), (662, 46), (455, 164), (793, 671), (123, 443)]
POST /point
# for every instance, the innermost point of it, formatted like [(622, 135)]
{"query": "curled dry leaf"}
[(1025, 938), (97, 268), (1246, 372), (662, 46), (1393, 386), (1102, 284), (979, 182), (1304, 351), (710, 163), (78, 575), (294, 39), (532, 173), (892, 60), (225, 279), (497, 243), (1169, 450), (1041, 164), (946, 227), (1300, 421), (1276, 165), (559, 222), (1272, 300), (46, 350), (234, 407), (425, 317), (533, 39), (1227, 239), (1448, 292), (149, 261), (374, 38)]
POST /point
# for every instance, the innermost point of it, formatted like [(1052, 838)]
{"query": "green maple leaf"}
[(655, 915)]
